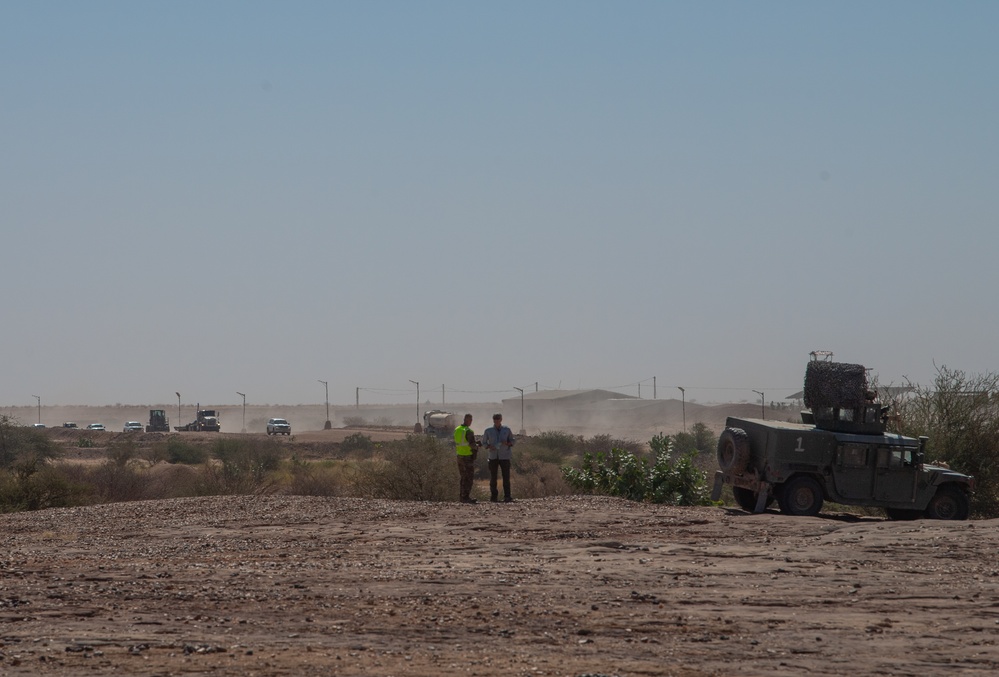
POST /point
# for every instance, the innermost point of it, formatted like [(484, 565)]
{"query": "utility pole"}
[(39, 398), (523, 430), (653, 387), (763, 401), (327, 425), (683, 406), (243, 395), (357, 398), (417, 384), (178, 409), (442, 395)]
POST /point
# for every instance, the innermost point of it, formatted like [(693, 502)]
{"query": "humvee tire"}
[(745, 498), (949, 503), (801, 496), (733, 451)]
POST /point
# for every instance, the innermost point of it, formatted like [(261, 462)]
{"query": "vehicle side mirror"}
[(921, 452)]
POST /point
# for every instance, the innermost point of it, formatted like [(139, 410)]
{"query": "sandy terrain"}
[(558, 586)]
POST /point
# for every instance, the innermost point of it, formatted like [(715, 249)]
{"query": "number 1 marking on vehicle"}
[(799, 447)]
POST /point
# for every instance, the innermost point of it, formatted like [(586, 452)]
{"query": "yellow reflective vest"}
[(461, 441)]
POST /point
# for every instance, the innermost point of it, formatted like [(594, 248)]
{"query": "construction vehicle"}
[(839, 452), (158, 421), (439, 423), (207, 421)]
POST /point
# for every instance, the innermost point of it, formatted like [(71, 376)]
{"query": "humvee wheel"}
[(733, 450), (745, 498), (801, 496), (949, 503)]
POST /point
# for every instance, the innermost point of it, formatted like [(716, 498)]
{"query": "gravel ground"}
[(558, 586)]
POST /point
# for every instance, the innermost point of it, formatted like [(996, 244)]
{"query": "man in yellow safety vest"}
[(467, 449)]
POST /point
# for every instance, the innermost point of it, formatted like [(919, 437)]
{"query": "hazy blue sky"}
[(208, 197)]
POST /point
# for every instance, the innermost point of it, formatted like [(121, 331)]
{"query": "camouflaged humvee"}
[(840, 452)]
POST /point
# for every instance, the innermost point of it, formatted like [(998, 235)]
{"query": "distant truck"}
[(207, 421), (439, 423), (158, 422), (839, 452)]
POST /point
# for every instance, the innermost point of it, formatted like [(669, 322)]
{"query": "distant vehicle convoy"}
[(278, 426)]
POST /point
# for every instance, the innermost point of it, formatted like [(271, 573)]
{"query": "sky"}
[(220, 197)]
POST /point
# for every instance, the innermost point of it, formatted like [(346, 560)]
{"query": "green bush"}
[(179, 450), (628, 475)]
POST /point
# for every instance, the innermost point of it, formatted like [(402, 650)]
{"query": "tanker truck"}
[(439, 423)]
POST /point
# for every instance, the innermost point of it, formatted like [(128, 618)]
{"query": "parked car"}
[(133, 427), (69, 424), (37, 425), (278, 426), (96, 426)]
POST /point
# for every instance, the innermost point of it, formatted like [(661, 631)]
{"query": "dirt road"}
[(558, 586)]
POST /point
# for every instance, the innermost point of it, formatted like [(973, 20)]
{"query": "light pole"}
[(417, 384), (38, 397), (243, 395), (327, 425), (178, 409), (683, 406), (763, 400), (523, 430)]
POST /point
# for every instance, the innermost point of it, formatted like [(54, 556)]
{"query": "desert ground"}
[(258, 585)]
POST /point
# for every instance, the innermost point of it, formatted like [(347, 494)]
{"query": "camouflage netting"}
[(835, 384)]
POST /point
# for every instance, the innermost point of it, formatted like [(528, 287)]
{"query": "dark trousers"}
[(466, 474), (494, 465)]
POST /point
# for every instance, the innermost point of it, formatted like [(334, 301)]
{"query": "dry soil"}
[(556, 586)]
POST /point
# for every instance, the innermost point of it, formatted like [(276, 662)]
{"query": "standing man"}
[(468, 449), (499, 442)]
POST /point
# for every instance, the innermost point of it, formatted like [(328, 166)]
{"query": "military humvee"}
[(840, 452)]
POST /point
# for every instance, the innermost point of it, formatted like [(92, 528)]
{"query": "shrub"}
[(415, 469), (180, 451), (357, 442), (625, 474), (533, 478), (18, 444), (243, 466), (960, 415), (112, 482), (316, 479), (558, 441), (36, 486), (599, 443)]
